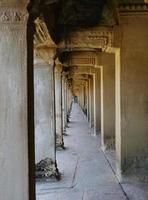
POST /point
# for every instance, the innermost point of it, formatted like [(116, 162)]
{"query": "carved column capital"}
[(64, 74), (13, 13), (46, 54), (45, 47), (58, 67)]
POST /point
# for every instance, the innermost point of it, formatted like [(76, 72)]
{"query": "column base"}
[(47, 169), (68, 118), (60, 145), (59, 141), (103, 148), (64, 131), (110, 143), (65, 134)]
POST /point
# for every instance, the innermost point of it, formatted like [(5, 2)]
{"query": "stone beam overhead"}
[(99, 37), (82, 58), (95, 38), (83, 70), (79, 81), (79, 77), (82, 61), (135, 8)]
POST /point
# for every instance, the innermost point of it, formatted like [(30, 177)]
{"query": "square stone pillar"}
[(87, 94), (69, 100), (14, 179), (64, 101), (132, 77), (108, 133), (98, 99), (90, 101), (86, 99), (45, 129), (58, 105), (91, 89), (81, 96)]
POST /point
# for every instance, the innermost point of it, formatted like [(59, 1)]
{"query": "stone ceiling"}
[(64, 16)]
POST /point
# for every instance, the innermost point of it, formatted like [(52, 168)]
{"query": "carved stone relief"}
[(9, 15), (98, 38)]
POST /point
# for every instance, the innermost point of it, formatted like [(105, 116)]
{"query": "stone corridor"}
[(85, 172), (74, 100)]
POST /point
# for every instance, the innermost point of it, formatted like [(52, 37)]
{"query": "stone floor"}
[(85, 171)]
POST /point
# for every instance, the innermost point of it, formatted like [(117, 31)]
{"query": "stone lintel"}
[(98, 38), (77, 70), (133, 8)]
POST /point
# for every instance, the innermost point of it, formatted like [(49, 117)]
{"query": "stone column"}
[(108, 134), (81, 96), (45, 139), (69, 100), (14, 180), (92, 100), (94, 103), (64, 103), (98, 99), (58, 105), (87, 99), (131, 137), (68, 103)]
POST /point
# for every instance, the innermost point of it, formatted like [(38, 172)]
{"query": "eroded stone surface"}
[(47, 169)]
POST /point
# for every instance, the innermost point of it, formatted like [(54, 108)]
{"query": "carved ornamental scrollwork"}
[(82, 61), (138, 7), (13, 15), (96, 38)]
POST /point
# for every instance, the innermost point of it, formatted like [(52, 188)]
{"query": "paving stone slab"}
[(86, 173)]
